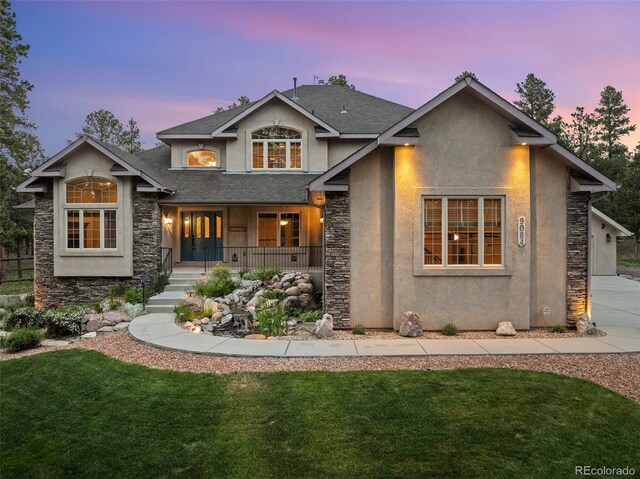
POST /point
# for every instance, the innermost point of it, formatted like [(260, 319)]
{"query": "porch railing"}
[(167, 261), (300, 258)]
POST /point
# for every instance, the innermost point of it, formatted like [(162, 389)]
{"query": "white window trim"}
[(206, 148), (102, 208), (265, 150), (278, 235), (445, 235)]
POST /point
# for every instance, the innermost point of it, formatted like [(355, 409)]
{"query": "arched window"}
[(90, 214), (202, 158), (276, 147)]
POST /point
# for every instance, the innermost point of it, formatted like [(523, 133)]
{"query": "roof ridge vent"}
[(344, 109)]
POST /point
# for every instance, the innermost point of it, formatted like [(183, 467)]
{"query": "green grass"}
[(628, 261), (17, 287), (81, 414)]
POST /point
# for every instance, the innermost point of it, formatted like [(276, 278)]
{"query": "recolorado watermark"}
[(604, 471)]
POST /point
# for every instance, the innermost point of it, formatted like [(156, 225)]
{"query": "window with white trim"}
[(202, 159), (91, 214), (276, 148), (278, 229), (463, 231)]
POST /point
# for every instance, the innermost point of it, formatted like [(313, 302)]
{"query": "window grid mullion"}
[(481, 231), (445, 231)]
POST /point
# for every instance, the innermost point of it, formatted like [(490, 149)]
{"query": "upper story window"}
[(202, 158), (276, 147), (463, 231), (90, 214)]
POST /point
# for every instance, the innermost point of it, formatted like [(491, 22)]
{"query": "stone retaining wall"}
[(577, 255), (337, 267), (146, 254)]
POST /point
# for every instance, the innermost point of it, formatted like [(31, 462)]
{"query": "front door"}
[(201, 236)]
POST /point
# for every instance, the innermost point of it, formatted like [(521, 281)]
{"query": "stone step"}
[(160, 308)]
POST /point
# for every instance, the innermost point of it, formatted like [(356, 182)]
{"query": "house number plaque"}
[(521, 231)]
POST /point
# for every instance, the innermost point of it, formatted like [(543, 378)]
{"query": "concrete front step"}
[(168, 297), (160, 308), (187, 282), (178, 287), (185, 275)]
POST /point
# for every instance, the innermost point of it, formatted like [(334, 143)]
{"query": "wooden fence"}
[(16, 264)]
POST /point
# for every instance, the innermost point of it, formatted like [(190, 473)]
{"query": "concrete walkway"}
[(616, 310)]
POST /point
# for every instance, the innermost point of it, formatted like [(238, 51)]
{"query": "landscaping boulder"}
[(217, 316), (585, 326), (290, 303), (505, 328), (324, 327), (195, 303), (293, 291), (410, 325), (121, 326), (255, 336), (204, 321), (226, 319), (306, 301), (92, 325), (210, 304), (305, 288)]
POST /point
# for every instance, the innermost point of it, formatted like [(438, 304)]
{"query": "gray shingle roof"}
[(365, 113), (212, 186)]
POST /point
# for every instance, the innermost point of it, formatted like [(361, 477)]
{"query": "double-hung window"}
[(463, 231), (279, 229), (276, 148), (91, 214)]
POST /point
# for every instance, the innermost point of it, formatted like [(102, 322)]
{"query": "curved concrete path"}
[(616, 310)]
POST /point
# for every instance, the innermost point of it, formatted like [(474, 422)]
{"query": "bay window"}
[(463, 231), (276, 148), (91, 214)]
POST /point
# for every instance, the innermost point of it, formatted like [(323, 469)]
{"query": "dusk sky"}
[(170, 62)]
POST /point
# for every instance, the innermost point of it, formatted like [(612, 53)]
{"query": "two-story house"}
[(464, 210)]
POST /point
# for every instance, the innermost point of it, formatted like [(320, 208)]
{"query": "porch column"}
[(337, 265)]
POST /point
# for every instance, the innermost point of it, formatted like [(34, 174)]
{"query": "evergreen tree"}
[(104, 126), (536, 100), (627, 198), (613, 124), (582, 134), (339, 79), (20, 149), (243, 100), (465, 74)]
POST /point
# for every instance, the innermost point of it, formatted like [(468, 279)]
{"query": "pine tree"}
[(20, 149), (104, 126), (582, 134), (613, 124), (536, 100), (465, 74), (130, 138), (627, 198)]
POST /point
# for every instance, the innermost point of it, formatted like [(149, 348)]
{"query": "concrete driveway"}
[(616, 310)]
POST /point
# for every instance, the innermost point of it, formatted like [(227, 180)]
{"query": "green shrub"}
[(159, 284), (265, 274), (21, 339), (118, 289), (311, 316), (29, 300), (450, 329), (133, 310), (113, 304), (218, 284), (358, 329), (133, 295), (274, 294), (242, 272), (97, 308), (558, 328), (183, 313), (64, 321), (272, 320), (25, 317), (252, 276)]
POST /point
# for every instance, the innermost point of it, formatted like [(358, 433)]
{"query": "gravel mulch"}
[(619, 372)]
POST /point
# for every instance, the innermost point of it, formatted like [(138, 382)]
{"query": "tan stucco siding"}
[(314, 151), (371, 202), (180, 149), (338, 150), (603, 254), (549, 288), (465, 148), (119, 262)]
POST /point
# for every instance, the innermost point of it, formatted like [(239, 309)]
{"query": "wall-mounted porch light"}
[(168, 220), (284, 222), (608, 238), (322, 219)]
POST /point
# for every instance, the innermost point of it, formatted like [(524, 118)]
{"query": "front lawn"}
[(81, 414)]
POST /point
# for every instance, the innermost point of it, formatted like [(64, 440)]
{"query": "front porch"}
[(244, 237)]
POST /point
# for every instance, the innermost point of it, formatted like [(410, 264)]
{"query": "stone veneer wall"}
[(577, 255), (337, 265), (146, 253)]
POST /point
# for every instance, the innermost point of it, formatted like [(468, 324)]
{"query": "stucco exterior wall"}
[(314, 151), (603, 254), (465, 149), (338, 150), (372, 258), (117, 263), (549, 237), (180, 148)]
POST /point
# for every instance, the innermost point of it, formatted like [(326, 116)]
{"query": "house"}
[(464, 210), (604, 232)]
